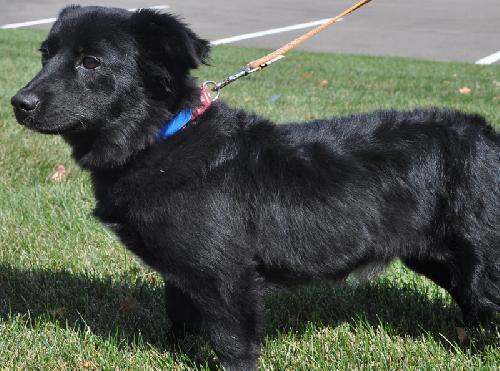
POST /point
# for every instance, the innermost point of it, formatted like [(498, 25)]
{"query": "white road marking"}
[(226, 40), (155, 7), (30, 23), (272, 31), (490, 59), (52, 20)]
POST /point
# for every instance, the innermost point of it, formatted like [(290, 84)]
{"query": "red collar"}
[(187, 115)]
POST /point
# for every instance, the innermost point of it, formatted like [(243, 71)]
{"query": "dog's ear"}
[(68, 9), (169, 40)]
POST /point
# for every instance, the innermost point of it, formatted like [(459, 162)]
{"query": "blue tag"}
[(176, 124)]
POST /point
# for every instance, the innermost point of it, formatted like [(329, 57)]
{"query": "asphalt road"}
[(445, 30)]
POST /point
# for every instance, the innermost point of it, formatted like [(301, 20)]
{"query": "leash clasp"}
[(214, 88), (245, 71)]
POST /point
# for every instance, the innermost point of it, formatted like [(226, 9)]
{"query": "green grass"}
[(63, 278)]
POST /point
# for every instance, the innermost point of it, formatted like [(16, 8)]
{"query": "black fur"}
[(235, 202)]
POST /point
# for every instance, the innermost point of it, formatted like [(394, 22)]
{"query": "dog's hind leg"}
[(434, 270), (474, 241), (445, 273), (477, 289), (463, 271), (181, 311)]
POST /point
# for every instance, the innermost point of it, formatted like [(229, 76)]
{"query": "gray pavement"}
[(445, 30)]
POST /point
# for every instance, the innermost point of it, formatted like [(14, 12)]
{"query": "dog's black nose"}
[(25, 101)]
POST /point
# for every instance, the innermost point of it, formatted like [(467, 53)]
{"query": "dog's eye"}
[(90, 63)]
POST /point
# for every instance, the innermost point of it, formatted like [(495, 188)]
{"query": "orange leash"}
[(294, 43), (278, 54)]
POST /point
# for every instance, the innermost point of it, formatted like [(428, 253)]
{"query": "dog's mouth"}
[(32, 124)]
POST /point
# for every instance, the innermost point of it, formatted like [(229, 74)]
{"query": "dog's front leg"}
[(181, 310), (233, 317)]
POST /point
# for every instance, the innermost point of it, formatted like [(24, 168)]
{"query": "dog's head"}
[(106, 69)]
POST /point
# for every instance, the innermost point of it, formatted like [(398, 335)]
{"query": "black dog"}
[(233, 202)]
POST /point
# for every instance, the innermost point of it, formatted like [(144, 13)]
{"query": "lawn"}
[(72, 298)]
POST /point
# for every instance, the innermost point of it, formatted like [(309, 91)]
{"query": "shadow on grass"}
[(108, 310)]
